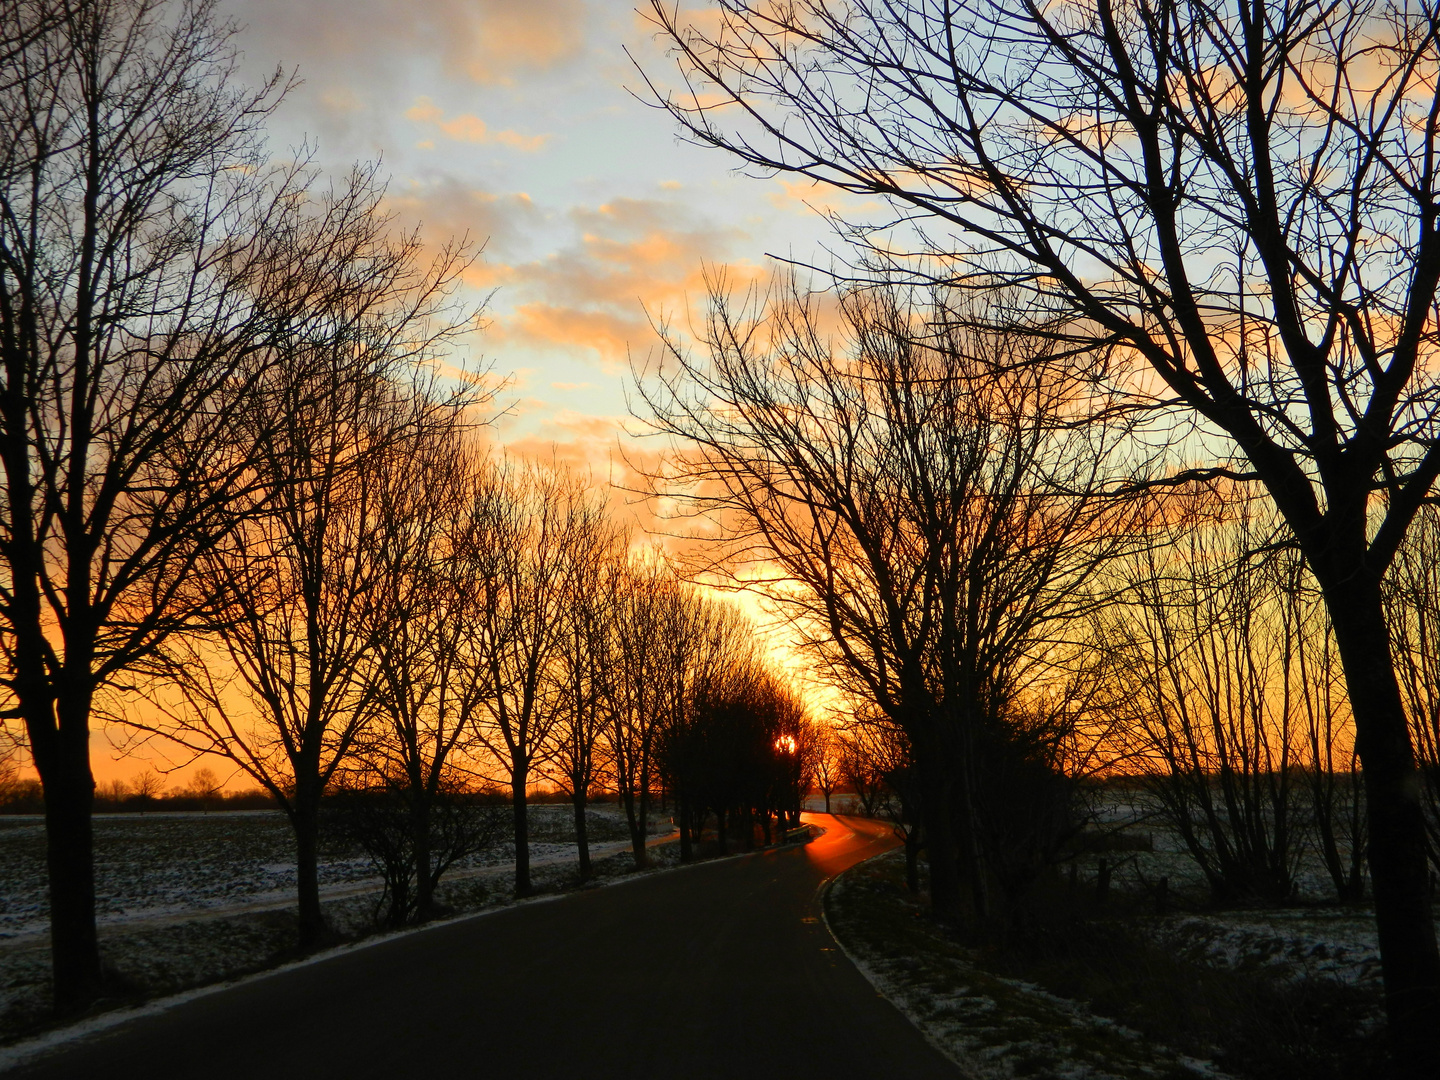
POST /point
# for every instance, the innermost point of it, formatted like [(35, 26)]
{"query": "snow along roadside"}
[(994, 1028)]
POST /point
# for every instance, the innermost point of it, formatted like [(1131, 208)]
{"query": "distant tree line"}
[(147, 791)]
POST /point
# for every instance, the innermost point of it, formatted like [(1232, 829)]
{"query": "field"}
[(1089, 989), (1120, 984), (188, 899)]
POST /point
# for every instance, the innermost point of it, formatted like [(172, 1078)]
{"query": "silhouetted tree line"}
[(1222, 218), (145, 794), (233, 478), (241, 508), (741, 755)]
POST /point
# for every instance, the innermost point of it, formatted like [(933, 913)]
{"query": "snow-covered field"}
[(161, 864), (1287, 956), (188, 864), (1313, 936), (186, 899)]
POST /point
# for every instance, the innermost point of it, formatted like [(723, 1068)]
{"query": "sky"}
[(516, 123)]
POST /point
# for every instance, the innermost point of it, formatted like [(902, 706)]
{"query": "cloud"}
[(468, 128), (483, 41), (626, 256), (808, 197), (447, 207)]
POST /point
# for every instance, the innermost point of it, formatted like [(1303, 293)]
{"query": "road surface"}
[(721, 970)]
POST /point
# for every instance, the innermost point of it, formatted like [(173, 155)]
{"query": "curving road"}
[(719, 970)]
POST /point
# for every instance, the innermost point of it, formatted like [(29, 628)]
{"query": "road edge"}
[(24, 1051), (967, 1068)]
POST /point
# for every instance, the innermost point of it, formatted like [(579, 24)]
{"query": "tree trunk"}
[(424, 884), (1410, 963), (938, 825), (582, 838), (720, 830), (912, 860), (641, 829), (682, 816), (69, 790), (522, 832), (306, 823)]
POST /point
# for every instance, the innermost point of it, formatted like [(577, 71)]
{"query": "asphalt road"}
[(720, 970)]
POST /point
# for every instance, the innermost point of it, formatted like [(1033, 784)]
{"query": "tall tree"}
[(288, 686), (649, 632), (541, 518), (135, 249), (916, 496), (827, 761), (1235, 203), (708, 650), (584, 668), (422, 615)]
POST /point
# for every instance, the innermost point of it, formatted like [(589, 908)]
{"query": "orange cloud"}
[(610, 335), (629, 255), (808, 197), (468, 128), (448, 208), (484, 41)]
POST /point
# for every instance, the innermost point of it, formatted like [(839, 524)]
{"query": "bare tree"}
[(135, 246), (861, 768), (650, 630), (880, 764), (287, 690), (1235, 205), (705, 658), (1214, 664), (918, 497), (147, 787), (204, 787), (1223, 676), (738, 751), (541, 517), (1413, 602), (797, 746), (827, 762), (433, 516), (585, 666)]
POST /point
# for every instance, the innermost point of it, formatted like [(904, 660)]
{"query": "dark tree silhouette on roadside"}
[(143, 269), (1232, 208), (584, 668), (421, 617), (542, 520), (915, 495), (285, 685)]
